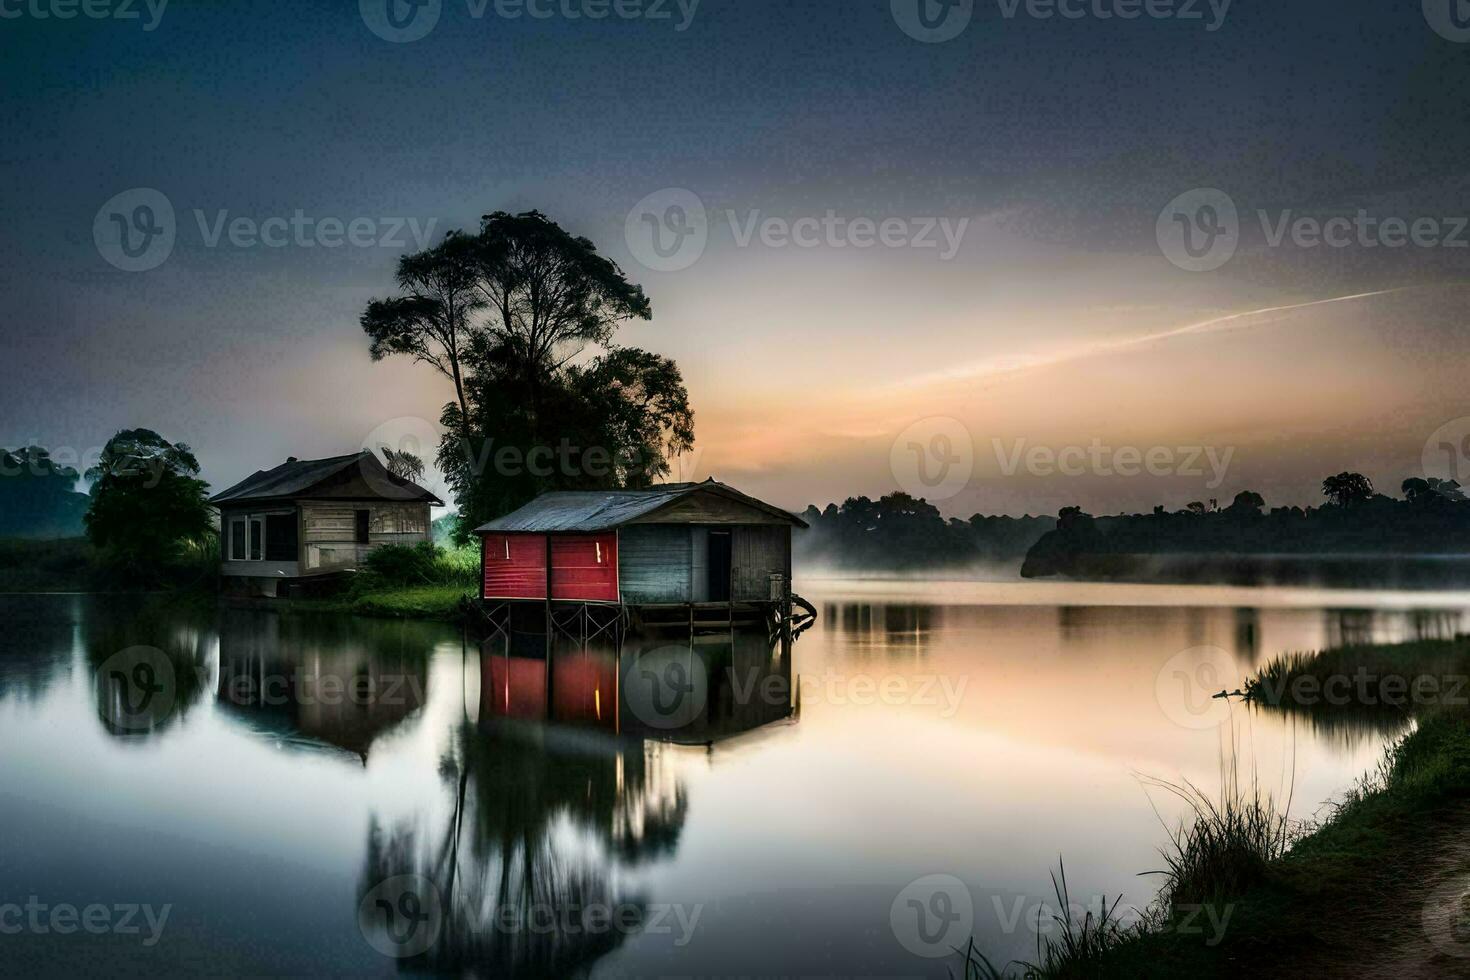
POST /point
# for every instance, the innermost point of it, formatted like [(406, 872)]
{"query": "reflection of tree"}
[(514, 885), (180, 629), (338, 681), (39, 637)]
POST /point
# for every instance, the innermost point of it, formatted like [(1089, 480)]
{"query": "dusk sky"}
[(1026, 172)]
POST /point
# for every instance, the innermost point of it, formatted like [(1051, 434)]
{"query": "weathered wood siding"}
[(329, 531), (758, 553), (655, 562), (711, 508)]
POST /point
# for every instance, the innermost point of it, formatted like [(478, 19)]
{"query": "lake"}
[(187, 789)]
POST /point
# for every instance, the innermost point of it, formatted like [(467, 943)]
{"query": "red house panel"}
[(585, 567), (515, 566)]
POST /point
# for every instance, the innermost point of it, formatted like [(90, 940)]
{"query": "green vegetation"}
[(1363, 529), (903, 533), (504, 316), (76, 565), (149, 509), (1296, 898), (401, 582)]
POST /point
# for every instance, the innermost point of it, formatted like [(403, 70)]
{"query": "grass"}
[(1309, 898), (74, 565)]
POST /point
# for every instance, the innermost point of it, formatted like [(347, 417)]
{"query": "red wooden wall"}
[(583, 567)]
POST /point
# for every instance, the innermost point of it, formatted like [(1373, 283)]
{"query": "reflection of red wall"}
[(513, 687), (583, 566), (582, 687)]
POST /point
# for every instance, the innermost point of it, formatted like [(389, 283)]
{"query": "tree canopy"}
[(522, 319), (147, 500)]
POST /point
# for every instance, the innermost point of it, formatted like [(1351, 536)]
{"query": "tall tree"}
[(147, 500), (522, 318), (434, 320)]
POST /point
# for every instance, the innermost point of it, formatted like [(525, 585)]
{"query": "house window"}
[(362, 526), (257, 538), (237, 540), (281, 538)]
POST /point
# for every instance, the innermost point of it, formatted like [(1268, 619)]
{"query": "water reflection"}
[(320, 682), (149, 661), (690, 690)]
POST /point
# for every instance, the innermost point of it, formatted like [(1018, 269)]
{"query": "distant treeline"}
[(1245, 541), (38, 497), (903, 533)]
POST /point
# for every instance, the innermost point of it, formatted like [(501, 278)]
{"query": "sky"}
[(1009, 262)]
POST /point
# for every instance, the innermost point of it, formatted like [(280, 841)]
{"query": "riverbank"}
[(1377, 881), (443, 603)]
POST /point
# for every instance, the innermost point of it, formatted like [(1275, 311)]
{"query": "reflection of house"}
[(678, 543), (308, 684), (314, 517)]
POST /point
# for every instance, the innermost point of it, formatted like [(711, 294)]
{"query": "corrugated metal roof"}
[(295, 477), (602, 510)]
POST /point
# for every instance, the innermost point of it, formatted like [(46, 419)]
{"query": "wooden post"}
[(549, 627)]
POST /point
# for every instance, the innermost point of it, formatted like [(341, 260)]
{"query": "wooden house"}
[(676, 544), (314, 517)]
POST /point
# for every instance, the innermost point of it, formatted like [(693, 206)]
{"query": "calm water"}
[(298, 795)]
